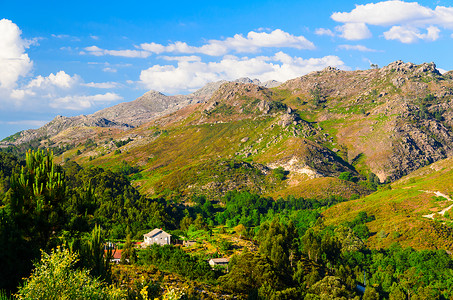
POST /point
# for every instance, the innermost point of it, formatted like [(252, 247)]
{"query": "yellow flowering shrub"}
[(55, 277)]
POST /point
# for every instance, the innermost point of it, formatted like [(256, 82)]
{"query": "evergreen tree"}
[(128, 255)]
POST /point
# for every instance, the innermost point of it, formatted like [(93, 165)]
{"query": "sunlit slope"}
[(403, 212)]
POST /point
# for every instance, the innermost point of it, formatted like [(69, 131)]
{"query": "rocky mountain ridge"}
[(386, 122), (126, 115)]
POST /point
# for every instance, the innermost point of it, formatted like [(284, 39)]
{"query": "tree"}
[(312, 245), (199, 223), (330, 288), (38, 192), (185, 223), (32, 216), (54, 277), (279, 173), (370, 294), (279, 251), (346, 176), (93, 254), (128, 255)]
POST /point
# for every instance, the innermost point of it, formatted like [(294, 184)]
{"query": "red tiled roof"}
[(116, 253)]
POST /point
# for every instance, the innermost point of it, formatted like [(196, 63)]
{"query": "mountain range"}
[(303, 137)]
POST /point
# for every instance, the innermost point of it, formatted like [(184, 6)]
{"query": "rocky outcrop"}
[(266, 84), (417, 145)]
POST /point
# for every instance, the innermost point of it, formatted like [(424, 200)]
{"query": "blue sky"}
[(71, 58)]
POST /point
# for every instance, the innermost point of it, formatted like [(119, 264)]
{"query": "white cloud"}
[(102, 85), (191, 75), (405, 19), (182, 58), (109, 69), (354, 31), (96, 51), (252, 43), (14, 62), (154, 48), (410, 35), (77, 102), (356, 47), (34, 123), (58, 90), (385, 13), (18, 94), (45, 87), (61, 91), (66, 36), (60, 79), (60, 36), (324, 31)]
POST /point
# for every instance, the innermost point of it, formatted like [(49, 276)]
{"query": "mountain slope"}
[(402, 212), (389, 122), (233, 141)]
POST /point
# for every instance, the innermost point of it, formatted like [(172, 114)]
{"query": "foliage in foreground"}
[(54, 277)]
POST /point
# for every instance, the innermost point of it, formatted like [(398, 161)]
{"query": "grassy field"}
[(400, 210)]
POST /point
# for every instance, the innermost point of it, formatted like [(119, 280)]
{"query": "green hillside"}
[(401, 210)]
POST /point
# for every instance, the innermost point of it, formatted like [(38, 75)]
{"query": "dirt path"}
[(443, 211)]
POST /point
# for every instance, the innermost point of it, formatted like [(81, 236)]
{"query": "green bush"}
[(279, 173), (54, 277)]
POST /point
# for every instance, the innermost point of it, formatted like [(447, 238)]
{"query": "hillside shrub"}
[(55, 277)]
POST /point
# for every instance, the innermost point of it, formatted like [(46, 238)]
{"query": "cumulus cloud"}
[(61, 91), (58, 90), (251, 43), (60, 80), (238, 43), (14, 62), (324, 31), (191, 75), (354, 31), (78, 102), (49, 86), (405, 19), (356, 47), (410, 35), (386, 13)]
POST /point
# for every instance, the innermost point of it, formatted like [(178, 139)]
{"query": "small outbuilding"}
[(156, 236), (219, 262)]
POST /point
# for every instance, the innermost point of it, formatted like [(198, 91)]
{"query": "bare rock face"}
[(417, 145), (266, 84)]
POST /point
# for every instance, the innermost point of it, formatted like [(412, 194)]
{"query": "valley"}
[(304, 186)]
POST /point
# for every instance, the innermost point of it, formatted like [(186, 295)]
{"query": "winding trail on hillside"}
[(442, 212)]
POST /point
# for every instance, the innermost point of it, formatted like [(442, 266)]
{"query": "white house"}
[(156, 236)]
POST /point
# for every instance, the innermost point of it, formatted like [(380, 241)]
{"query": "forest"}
[(56, 223)]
